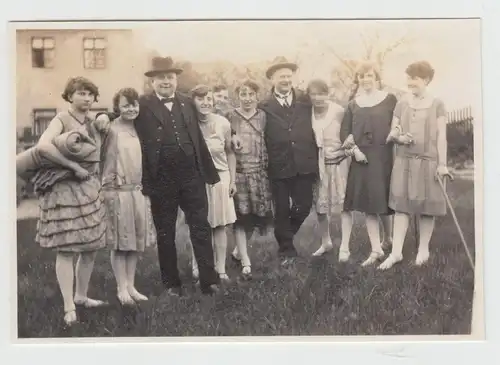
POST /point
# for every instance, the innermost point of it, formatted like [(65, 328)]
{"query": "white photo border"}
[(262, 350)]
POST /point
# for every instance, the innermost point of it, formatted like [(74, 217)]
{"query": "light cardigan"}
[(333, 115)]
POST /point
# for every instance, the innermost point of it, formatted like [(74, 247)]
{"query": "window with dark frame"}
[(94, 53), (42, 52), (41, 120)]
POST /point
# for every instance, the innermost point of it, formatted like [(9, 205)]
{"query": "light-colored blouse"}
[(122, 164), (420, 119), (216, 129), (327, 134)]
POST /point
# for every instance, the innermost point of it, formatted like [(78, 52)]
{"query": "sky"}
[(451, 46)]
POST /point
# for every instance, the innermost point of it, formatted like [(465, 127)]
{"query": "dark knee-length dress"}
[(368, 185)]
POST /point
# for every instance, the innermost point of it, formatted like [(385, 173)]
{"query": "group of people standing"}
[(262, 164)]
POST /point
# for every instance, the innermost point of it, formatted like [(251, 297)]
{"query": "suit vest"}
[(290, 141), (175, 133)]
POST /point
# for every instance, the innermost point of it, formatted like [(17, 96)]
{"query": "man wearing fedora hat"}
[(176, 168), (293, 155)]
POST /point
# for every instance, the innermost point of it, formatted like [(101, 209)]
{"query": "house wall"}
[(39, 88)]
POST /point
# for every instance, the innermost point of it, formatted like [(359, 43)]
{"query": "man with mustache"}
[(293, 155), (176, 166)]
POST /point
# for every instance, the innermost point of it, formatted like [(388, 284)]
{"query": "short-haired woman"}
[(334, 163), (130, 223), (419, 130), (72, 213), (221, 212), (253, 198)]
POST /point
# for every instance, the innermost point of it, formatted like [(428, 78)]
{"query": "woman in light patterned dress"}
[(334, 163), (419, 130), (72, 213), (221, 212), (253, 198), (130, 223)]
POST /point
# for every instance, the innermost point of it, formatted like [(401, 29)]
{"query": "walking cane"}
[(475, 307), (443, 189)]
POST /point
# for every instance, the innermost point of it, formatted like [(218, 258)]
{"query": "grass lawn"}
[(317, 297)]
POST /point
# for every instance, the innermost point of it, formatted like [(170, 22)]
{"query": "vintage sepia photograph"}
[(248, 178)]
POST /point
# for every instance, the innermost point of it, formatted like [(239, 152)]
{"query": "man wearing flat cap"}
[(176, 168), (293, 155)]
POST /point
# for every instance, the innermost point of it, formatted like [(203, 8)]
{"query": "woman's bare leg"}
[(346, 226), (373, 228), (326, 240), (426, 230), (119, 266), (84, 268), (401, 223), (131, 266), (65, 278)]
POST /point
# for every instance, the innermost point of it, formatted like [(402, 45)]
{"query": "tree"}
[(189, 78), (374, 48)]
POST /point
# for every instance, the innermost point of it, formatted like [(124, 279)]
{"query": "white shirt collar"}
[(288, 97), (163, 97)]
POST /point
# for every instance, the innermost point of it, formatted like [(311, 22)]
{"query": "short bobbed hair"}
[(200, 91), (79, 83), (220, 87), (421, 69), (252, 85), (319, 85), (130, 94)]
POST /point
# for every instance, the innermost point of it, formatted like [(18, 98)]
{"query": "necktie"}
[(284, 99)]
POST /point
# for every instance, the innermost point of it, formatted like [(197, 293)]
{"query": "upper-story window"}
[(94, 52), (42, 52)]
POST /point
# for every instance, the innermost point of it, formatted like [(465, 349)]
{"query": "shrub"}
[(460, 137)]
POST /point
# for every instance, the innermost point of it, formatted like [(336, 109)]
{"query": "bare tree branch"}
[(343, 60), (367, 44)]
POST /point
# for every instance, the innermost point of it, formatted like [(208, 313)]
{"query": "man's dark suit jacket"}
[(149, 126), (289, 137)]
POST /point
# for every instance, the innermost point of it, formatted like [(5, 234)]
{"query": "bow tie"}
[(167, 100)]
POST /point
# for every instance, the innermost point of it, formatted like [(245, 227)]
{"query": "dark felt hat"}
[(279, 63), (162, 65)]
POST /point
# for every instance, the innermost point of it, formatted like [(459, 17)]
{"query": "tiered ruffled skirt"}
[(72, 216)]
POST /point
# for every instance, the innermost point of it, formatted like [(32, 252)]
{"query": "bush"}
[(460, 137)]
